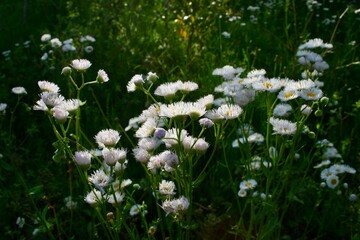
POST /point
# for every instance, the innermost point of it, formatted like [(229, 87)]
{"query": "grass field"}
[(179, 120)]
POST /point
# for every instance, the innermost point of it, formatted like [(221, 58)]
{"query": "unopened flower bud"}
[(324, 100), (159, 133), (311, 134), (318, 113), (66, 71)]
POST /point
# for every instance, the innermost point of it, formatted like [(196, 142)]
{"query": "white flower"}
[(322, 164), (135, 81), (229, 111), (116, 198), (167, 90), (70, 105), (147, 129), (332, 181), (93, 197), (286, 95), (3, 106), (68, 48), (150, 143), (167, 188), (18, 90), (151, 77), (45, 37), (83, 158), (226, 34), (51, 99), (60, 114), (80, 64), (87, 38), (186, 87), (89, 49), (283, 127), (282, 110), (255, 138), (242, 193), (175, 206), (206, 101), (248, 184), (100, 179), (44, 57), (55, 43), (113, 155), (305, 109), (205, 123), (271, 85), (46, 86), (40, 105), (141, 155), (135, 210), (125, 183), (102, 76), (174, 136), (107, 138), (311, 94), (315, 43), (20, 221), (227, 72)]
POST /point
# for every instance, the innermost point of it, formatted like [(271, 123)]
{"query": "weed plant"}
[(118, 143)]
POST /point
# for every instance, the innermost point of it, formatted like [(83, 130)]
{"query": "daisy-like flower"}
[(186, 87), (120, 166), (60, 114), (227, 72), (40, 105), (83, 159), (286, 95), (68, 48), (87, 38), (100, 179), (141, 155), (93, 197), (89, 49), (325, 174), (332, 181), (147, 129), (206, 101), (337, 169), (135, 81), (229, 111), (150, 143), (51, 99), (283, 127), (113, 155), (255, 138), (19, 90), (282, 110), (315, 43), (45, 37), (311, 94), (151, 77), (44, 57), (102, 76), (135, 209), (70, 105), (270, 85), (80, 64), (126, 182), (201, 145), (167, 90), (248, 184), (172, 138), (182, 109), (167, 188), (322, 164), (107, 138), (242, 193), (305, 109), (115, 198), (46, 86), (205, 123), (55, 43), (175, 206)]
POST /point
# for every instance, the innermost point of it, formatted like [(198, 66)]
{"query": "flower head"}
[(93, 197), (100, 179), (83, 159), (167, 188), (19, 90), (107, 138), (248, 184), (46, 86), (283, 127), (80, 64), (102, 76)]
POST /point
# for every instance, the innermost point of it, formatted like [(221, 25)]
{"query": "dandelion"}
[(102, 76), (248, 184), (100, 179), (19, 90), (46, 86), (107, 138), (332, 181), (282, 127), (80, 64), (167, 188), (93, 197)]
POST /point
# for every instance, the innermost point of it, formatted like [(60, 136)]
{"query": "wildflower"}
[(226, 34), (167, 188), (135, 210), (134, 82), (46, 86), (337, 169), (305, 109), (68, 47), (172, 138), (255, 138), (69, 203), (325, 173), (115, 198), (44, 57), (349, 169), (167, 90), (60, 114), (150, 144), (311, 94), (282, 110), (273, 153), (235, 143), (271, 85), (332, 181), (227, 72), (141, 155), (51, 99), (120, 167), (206, 101), (322, 164), (352, 197), (286, 95), (175, 206), (248, 184), (55, 43), (125, 183), (87, 38), (100, 179), (331, 152), (283, 127), (80, 64), (66, 71), (113, 155), (200, 145), (102, 77), (147, 129), (35, 231), (159, 133), (89, 49), (151, 77), (18, 90), (186, 87), (242, 193), (315, 43), (40, 105), (107, 138), (3, 106), (45, 37), (20, 222), (93, 197), (205, 123), (83, 159), (70, 105)]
